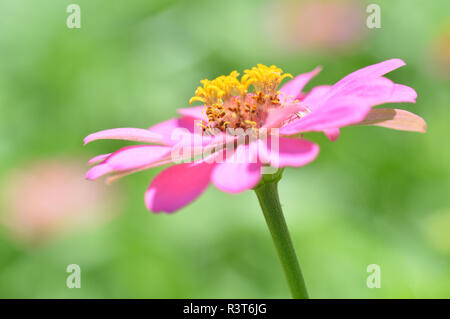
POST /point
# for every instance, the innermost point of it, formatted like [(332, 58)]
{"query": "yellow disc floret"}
[(229, 104), (263, 78), (219, 89), (208, 94)]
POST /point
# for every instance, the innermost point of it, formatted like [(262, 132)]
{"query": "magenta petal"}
[(239, 172), (290, 152), (332, 134), (177, 186), (128, 134)]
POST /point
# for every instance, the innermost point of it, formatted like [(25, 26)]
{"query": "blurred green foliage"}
[(375, 196)]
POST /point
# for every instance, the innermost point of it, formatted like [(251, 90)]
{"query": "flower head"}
[(268, 120)]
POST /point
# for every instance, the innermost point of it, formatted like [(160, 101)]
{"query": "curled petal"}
[(396, 119)]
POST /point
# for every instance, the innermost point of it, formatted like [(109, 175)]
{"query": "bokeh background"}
[(376, 196)]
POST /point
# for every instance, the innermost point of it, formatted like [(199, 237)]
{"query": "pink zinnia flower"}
[(252, 103)]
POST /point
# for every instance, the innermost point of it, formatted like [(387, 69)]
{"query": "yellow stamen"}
[(228, 104), (219, 89), (265, 79)]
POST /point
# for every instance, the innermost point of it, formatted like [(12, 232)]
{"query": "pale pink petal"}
[(365, 79), (396, 119), (132, 157), (98, 171), (184, 130), (177, 186), (119, 174), (289, 152), (98, 158), (345, 111), (239, 172), (332, 134), (312, 100), (292, 89), (377, 91), (128, 134), (279, 115), (197, 112), (316, 95), (371, 71), (129, 158)]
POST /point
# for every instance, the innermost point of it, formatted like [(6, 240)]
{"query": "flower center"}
[(245, 103)]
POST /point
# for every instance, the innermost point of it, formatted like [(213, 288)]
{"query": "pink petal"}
[(128, 134), (292, 89), (98, 158), (196, 112), (179, 130), (98, 171), (345, 111), (371, 71), (395, 119), (332, 134), (377, 91), (132, 157), (118, 175), (177, 186), (129, 158), (239, 172), (363, 79), (290, 152), (278, 116), (316, 95)]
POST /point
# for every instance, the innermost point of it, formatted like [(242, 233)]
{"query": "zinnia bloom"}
[(255, 104)]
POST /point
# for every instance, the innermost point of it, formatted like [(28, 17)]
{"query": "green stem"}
[(267, 192)]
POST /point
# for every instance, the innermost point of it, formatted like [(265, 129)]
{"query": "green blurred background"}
[(376, 196)]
